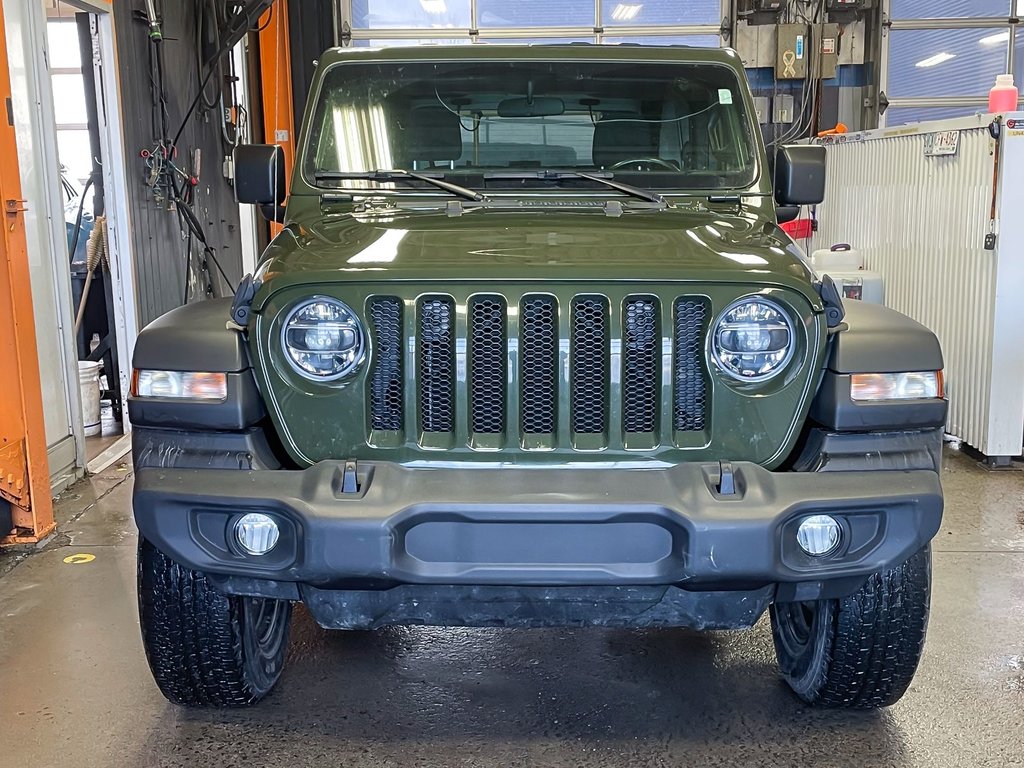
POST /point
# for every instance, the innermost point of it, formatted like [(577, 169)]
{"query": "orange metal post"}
[(24, 476), (276, 76)]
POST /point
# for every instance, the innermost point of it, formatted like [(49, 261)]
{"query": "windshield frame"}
[(305, 169)]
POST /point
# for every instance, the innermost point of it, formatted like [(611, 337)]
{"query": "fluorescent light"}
[(436, 7), (996, 39), (938, 58), (626, 11)]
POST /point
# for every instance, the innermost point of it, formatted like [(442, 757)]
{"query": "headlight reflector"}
[(322, 339), (180, 385), (753, 340), (875, 387)]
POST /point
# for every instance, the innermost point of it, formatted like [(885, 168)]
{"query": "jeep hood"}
[(697, 245)]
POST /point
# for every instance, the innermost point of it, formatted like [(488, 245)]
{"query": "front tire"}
[(861, 651), (206, 648)]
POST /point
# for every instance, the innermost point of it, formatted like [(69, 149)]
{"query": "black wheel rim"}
[(265, 628), (796, 624)]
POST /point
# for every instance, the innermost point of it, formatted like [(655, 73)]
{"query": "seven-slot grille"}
[(541, 375)]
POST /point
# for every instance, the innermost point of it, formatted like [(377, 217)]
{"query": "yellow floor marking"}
[(79, 559)]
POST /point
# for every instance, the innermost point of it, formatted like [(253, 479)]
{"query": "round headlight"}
[(753, 340), (323, 339)]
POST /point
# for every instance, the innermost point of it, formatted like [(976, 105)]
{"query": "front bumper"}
[(526, 527)]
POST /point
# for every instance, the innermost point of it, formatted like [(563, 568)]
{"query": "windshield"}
[(494, 124)]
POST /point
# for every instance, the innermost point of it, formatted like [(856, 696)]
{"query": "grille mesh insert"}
[(437, 364), (641, 363), (487, 370), (589, 350), (386, 382), (538, 352), (689, 384)]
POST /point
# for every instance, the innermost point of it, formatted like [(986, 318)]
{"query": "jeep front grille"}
[(589, 352), (387, 384), (641, 361), (488, 355), (689, 384), (538, 350), (435, 369), (539, 372)]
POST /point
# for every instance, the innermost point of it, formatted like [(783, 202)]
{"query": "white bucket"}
[(89, 382)]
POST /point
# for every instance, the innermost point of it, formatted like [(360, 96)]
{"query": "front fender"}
[(195, 337)]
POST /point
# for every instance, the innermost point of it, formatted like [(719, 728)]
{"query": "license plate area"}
[(537, 550)]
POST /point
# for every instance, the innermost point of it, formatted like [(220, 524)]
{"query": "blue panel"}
[(534, 40), (399, 42), (949, 9), (974, 58), (535, 13), (661, 12), (849, 76), (409, 14), (702, 41), (904, 115)]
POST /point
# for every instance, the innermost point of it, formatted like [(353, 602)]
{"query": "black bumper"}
[(563, 527)]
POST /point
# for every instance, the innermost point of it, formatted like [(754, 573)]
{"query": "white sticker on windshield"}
[(724, 96)]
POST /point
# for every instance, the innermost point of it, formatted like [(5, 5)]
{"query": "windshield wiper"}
[(601, 177), (400, 175)]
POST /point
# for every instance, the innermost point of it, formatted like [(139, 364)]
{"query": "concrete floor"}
[(74, 687)]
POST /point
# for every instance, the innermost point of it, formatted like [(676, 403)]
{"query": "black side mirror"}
[(787, 213), (800, 175), (260, 177)]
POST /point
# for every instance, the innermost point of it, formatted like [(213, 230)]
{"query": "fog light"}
[(818, 535), (257, 534)]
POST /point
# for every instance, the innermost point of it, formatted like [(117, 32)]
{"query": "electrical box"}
[(828, 49), (762, 108), (782, 111), (755, 43), (845, 11), (758, 12), (792, 54)]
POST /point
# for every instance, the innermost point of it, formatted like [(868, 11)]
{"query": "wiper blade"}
[(399, 175), (629, 189), (601, 177)]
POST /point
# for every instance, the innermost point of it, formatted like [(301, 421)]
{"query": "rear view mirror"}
[(539, 106), (260, 175), (800, 175)]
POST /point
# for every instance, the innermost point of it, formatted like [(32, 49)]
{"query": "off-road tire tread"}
[(192, 634), (876, 639)]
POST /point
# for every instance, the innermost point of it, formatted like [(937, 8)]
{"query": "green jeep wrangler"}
[(532, 350)]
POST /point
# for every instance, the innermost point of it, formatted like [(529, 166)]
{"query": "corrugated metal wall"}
[(158, 250), (921, 222)]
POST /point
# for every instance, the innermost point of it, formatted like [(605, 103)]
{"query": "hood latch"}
[(241, 307)]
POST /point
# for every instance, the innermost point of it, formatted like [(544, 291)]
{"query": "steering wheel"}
[(644, 161)]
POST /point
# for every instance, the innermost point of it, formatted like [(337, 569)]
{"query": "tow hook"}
[(350, 477), (727, 479)]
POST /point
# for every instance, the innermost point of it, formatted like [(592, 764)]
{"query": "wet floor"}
[(74, 687)]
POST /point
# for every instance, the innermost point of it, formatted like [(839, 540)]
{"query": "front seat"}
[(434, 135), (623, 136)]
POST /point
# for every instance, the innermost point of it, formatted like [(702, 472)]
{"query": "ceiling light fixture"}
[(626, 11), (435, 7), (996, 39), (935, 60)]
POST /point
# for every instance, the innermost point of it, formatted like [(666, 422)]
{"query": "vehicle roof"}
[(533, 51)]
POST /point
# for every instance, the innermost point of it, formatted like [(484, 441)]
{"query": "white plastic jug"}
[(839, 258)]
